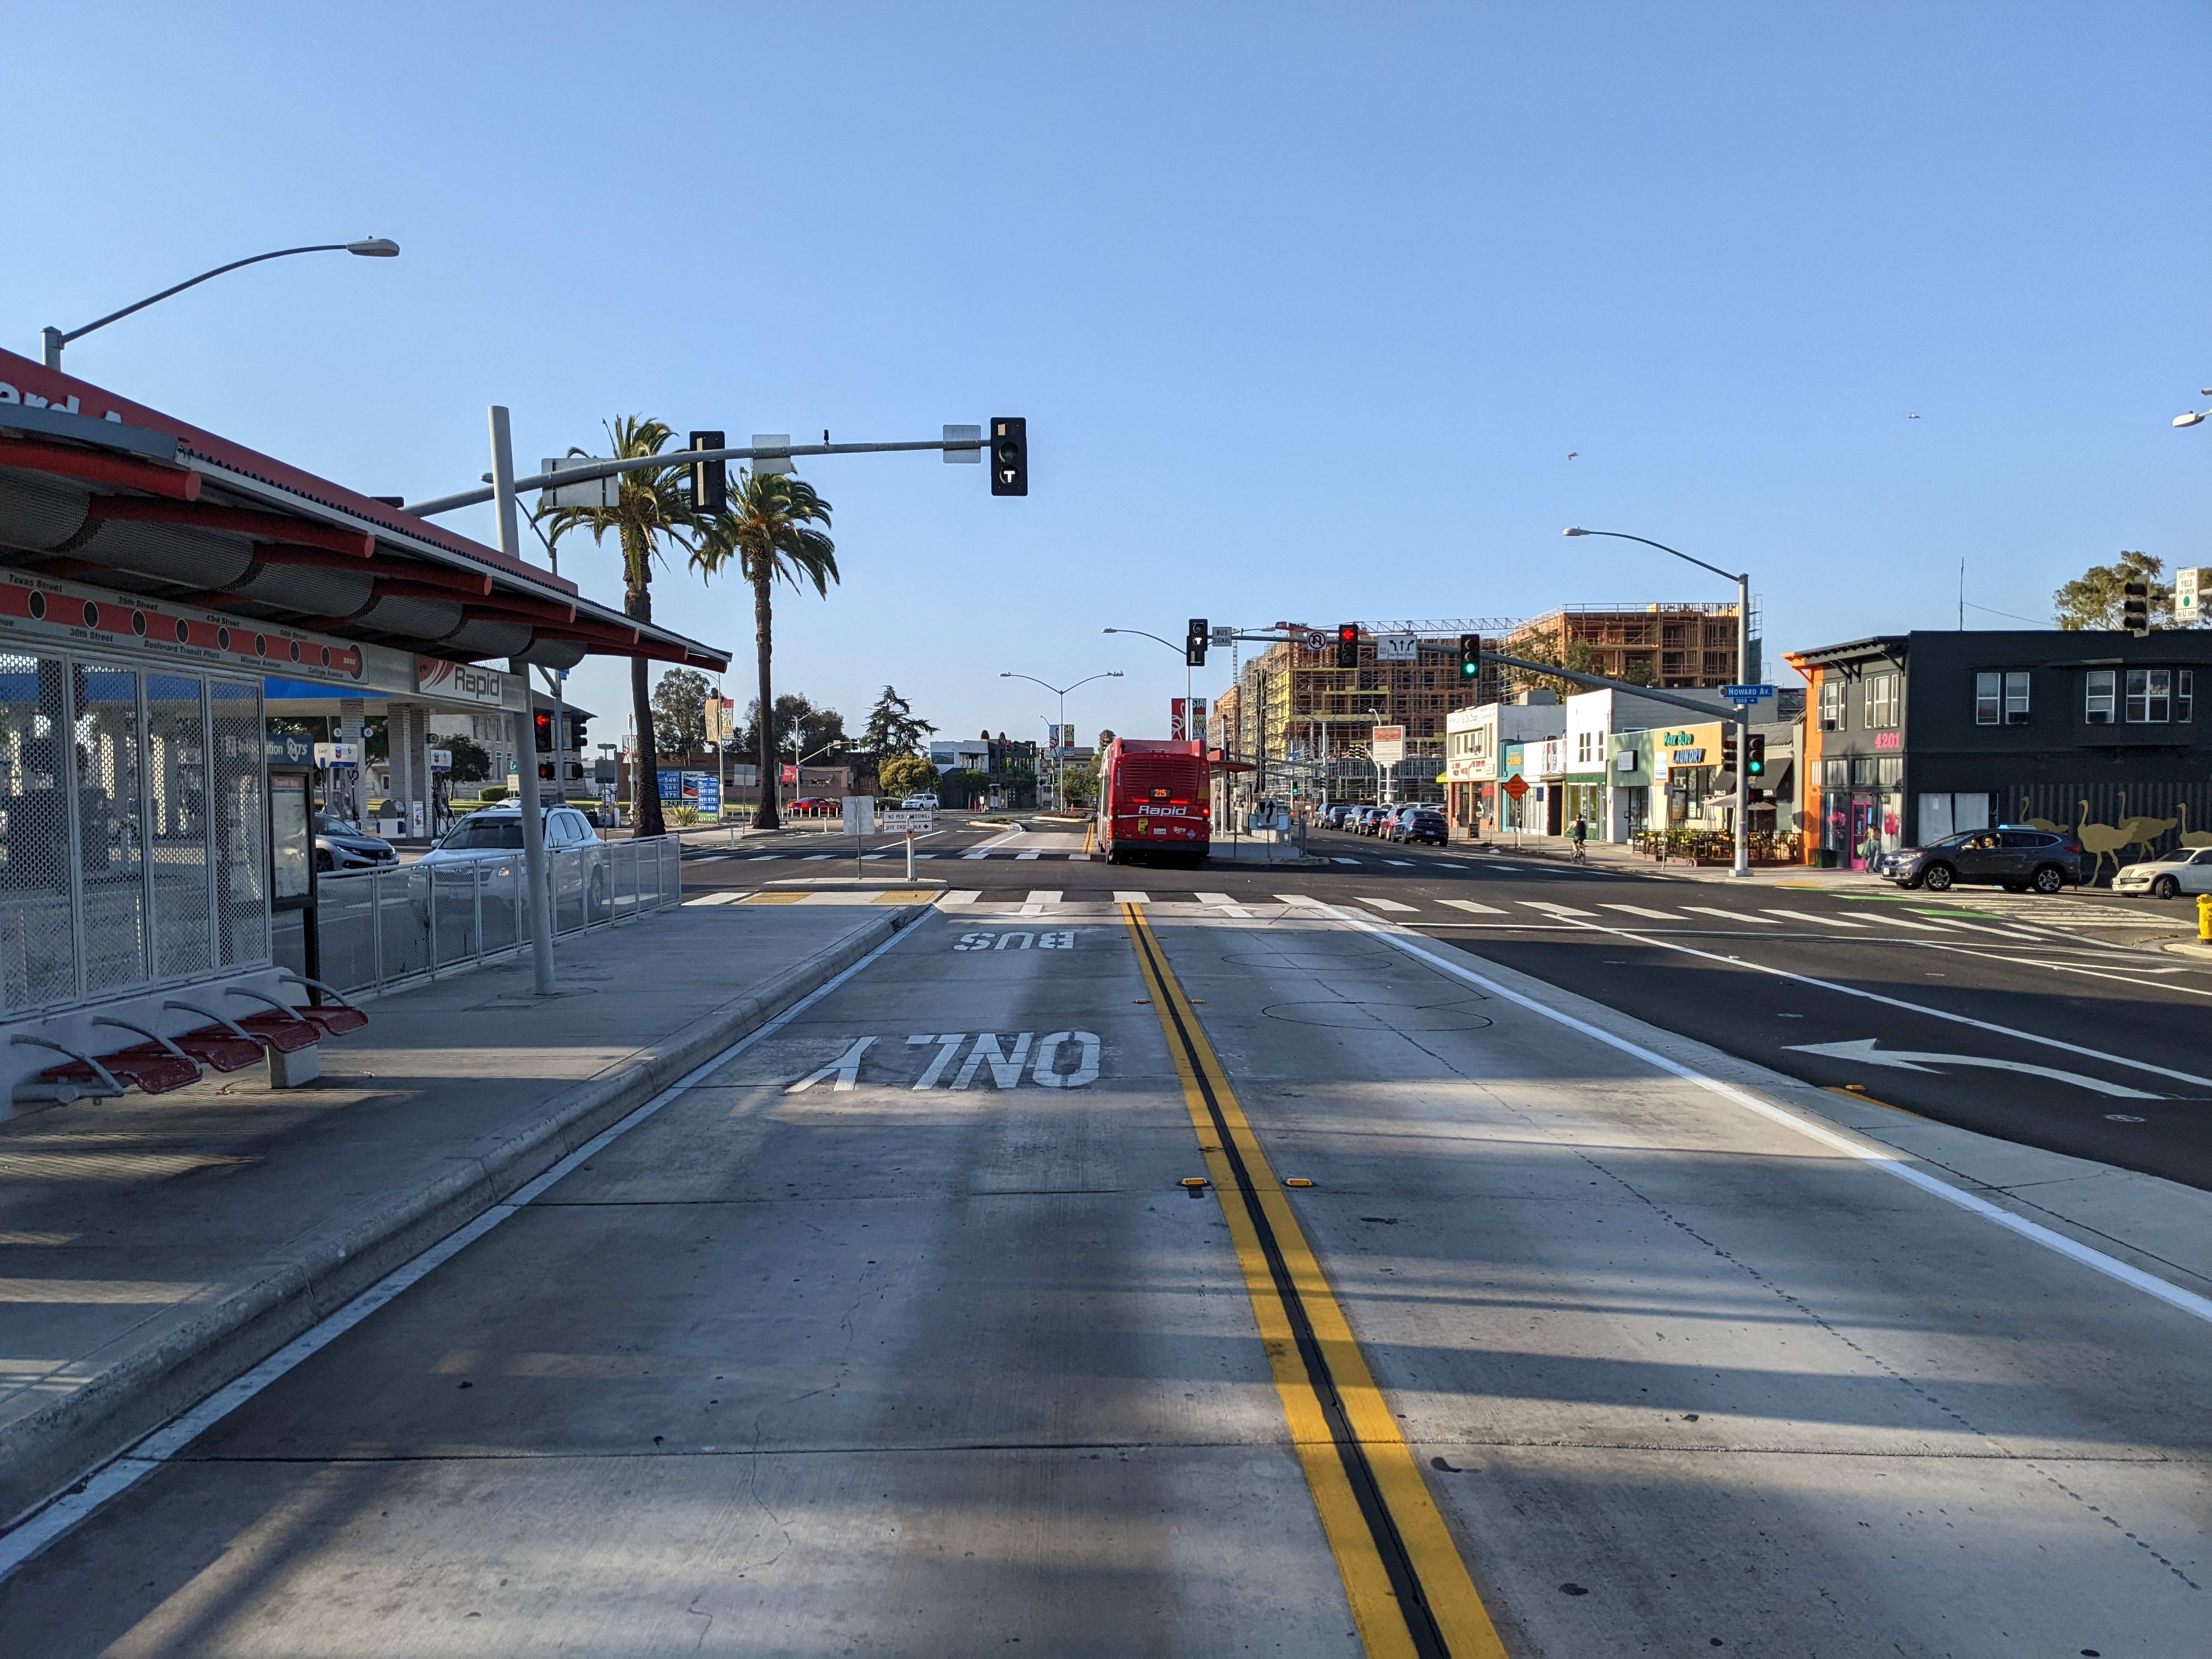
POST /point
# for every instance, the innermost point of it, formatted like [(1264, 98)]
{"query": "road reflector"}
[(1295, 1181), (1192, 1181), (1143, 1002)]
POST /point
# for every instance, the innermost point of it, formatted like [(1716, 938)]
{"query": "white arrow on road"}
[(1864, 1049)]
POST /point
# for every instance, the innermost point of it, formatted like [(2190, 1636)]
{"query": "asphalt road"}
[(1766, 968), (898, 1334)]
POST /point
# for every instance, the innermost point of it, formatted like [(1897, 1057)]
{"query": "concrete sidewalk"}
[(151, 1248)]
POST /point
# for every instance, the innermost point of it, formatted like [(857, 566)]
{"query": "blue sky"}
[(1307, 308)]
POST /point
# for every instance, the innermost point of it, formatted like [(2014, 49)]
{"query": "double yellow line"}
[(1409, 1590)]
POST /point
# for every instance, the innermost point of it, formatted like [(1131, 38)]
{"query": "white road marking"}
[(1807, 915), (1867, 1052), (1006, 1068), (712, 858), (1400, 864), (1296, 898), (1638, 910), (1730, 915), (1039, 901), (1886, 1159), (1025, 855), (1086, 1067), (959, 895), (1381, 904), (1222, 901), (1350, 862), (846, 1068), (1133, 898), (983, 847), (1555, 909), (1472, 907), (947, 1046), (817, 857), (716, 898)]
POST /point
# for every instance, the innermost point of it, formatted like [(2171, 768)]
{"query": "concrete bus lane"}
[(897, 1333), (1682, 1377)]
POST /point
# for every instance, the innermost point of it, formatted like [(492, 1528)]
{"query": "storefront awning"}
[(96, 490)]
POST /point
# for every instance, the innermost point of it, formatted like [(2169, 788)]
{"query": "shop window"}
[(1889, 771), (2096, 696), (1835, 774), (2150, 697), (1832, 704), (1863, 771)]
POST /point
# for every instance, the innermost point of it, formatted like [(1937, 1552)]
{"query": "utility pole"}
[(525, 726)]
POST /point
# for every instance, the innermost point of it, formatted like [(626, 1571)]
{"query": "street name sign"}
[(1746, 694)]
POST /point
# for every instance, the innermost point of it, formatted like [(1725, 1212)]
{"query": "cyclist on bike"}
[(1581, 833)]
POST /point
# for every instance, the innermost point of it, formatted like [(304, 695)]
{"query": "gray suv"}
[(2016, 857)]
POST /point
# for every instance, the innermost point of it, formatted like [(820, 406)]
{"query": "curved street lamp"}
[(1742, 580), (368, 247), (1179, 652), (1060, 798)]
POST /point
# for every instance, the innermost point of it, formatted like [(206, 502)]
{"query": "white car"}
[(919, 803), (492, 837), (2188, 871)]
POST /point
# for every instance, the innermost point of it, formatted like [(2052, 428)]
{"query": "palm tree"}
[(649, 508), (767, 530)]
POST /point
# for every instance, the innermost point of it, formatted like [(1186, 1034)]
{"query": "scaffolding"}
[(1675, 644)]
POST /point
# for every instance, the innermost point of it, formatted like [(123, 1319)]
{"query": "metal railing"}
[(376, 928)]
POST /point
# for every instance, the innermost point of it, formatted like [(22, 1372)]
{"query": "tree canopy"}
[(892, 728), (679, 710), (2092, 600), (796, 715)]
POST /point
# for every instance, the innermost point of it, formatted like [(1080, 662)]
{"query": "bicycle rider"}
[(1581, 833)]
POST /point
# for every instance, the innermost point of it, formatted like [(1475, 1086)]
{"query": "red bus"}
[(1154, 802)]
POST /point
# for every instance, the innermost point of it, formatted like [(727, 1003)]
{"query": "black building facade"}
[(1911, 737)]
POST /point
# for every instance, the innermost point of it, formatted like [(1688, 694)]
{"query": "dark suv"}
[(2014, 856)]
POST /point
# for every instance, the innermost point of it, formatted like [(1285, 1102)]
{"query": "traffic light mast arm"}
[(584, 472), (1599, 683)]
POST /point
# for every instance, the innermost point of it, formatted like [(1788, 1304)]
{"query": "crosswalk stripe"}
[(961, 895), (1730, 915), (817, 857), (1398, 864), (1025, 855), (1638, 910), (1470, 906), (1296, 898), (1807, 915), (1555, 909), (1380, 903), (1043, 895), (1351, 861), (1133, 898), (715, 898)]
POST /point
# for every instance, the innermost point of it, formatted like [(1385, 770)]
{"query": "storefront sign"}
[(460, 681)]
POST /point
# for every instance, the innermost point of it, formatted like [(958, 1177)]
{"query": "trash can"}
[(1827, 858)]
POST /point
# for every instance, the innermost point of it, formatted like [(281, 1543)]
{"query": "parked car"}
[(1371, 820), (2012, 856), (340, 845), (815, 804), (2187, 869), (919, 803), (1386, 826), (1422, 823), (492, 837)]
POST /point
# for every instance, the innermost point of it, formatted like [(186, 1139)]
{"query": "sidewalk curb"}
[(43, 1453)]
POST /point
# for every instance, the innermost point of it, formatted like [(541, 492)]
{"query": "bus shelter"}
[(154, 577)]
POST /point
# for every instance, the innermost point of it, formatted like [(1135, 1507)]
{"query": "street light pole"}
[(372, 247), (1742, 580), (1058, 787), (526, 729)]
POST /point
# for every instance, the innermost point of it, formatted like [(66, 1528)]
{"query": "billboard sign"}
[(1386, 744)]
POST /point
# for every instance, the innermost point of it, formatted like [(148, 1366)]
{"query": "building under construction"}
[(1304, 724), (1674, 645)]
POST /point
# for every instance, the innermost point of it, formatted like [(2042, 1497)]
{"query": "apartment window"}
[(2096, 696), (2001, 697), (1832, 704), (1585, 741), (2184, 694), (1889, 771), (1882, 700), (2150, 697)]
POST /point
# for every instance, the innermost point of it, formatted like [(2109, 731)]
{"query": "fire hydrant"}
[(2204, 918)]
